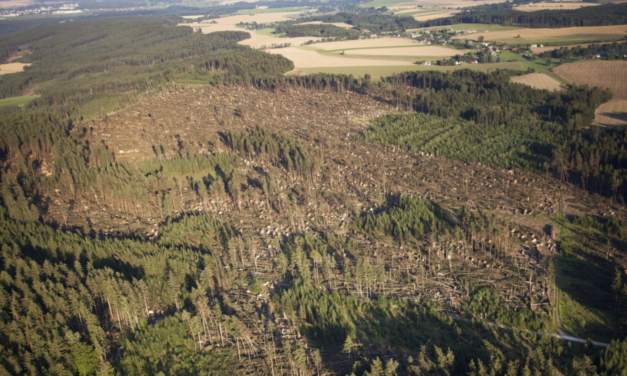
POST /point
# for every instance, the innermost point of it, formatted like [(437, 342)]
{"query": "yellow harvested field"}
[(553, 6), (12, 68), (303, 58), (539, 81), (338, 24), (193, 17), (612, 114), (435, 15), (605, 74), (546, 35), (366, 43), (426, 51), (259, 18)]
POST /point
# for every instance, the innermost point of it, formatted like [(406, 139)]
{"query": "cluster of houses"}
[(44, 9)]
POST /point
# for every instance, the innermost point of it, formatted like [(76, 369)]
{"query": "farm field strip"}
[(424, 51), (553, 6), (568, 34), (383, 71), (399, 4), (305, 58)]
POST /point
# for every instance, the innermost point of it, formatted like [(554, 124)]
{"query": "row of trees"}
[(321, 31), (609, 51)]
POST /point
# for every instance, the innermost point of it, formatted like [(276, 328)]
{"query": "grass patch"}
[(539, 65), (17, 101), (585, 293), (269, 32), (102, 106)]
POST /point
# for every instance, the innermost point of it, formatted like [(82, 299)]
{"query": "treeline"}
[(109, 57), (373, 21), (596, 161), (609, 51), (601, 15), (322, 31), (491, 99)]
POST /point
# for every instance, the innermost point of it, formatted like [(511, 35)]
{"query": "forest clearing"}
[(539, 81), (12, 68), (566, 34)]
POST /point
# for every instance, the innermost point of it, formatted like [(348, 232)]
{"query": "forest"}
[(221, 217), (368, 19), (602, 15), (526, 128), (322, 31)]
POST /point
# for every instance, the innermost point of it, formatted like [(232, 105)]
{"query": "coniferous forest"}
[(172, 203)]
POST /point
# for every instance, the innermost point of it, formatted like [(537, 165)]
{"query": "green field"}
[(539, 65), (269, 32), (17, 101), (584, 288), (378, 72)]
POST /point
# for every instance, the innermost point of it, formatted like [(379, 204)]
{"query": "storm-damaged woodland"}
[(252, 223)]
